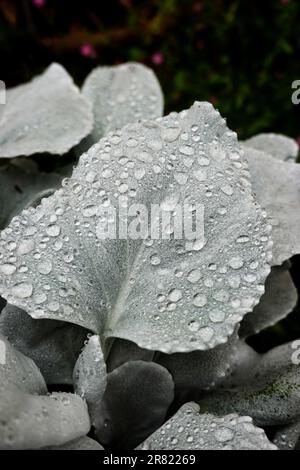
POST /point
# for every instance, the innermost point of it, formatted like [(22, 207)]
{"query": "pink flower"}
[(298, 141), (87, 50), (39, 3), (157, 58)]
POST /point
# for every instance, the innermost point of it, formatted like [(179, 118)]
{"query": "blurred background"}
[(240, 55)]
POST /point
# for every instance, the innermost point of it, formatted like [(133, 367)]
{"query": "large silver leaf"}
[(29, 420), (53, 345), (22, 185), (163, 294), (121, 95), (49, 114), (279, 146), (277, 302), (277, 187), (270, 392), (190, 430)]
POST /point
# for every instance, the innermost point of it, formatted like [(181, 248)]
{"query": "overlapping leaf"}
[(121, 95), (277, 187), (49, 114), (190, 430), (279, 146), (29, 420)]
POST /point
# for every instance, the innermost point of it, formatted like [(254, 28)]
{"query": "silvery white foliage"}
[(48, 114), (22, 185), (276, 185), (189, 429), (270, 392), (53, 345), (90, 376), (288, 437), (30, 419), (121, 95), (135, 289), (276, 303), (279, 146)]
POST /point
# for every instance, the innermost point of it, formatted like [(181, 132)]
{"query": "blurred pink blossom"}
[(87, 50), (298, 141), (157, 58), (39, 3)]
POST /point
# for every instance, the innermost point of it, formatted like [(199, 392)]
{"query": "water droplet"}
[(194, 275), (45, 267), (22, 290), (8, 269), (53, 230), (175, 295), (236, 262), (227, 189), (200, 300)]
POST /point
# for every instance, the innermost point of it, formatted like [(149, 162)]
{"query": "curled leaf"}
[(190, 430), (48, 114), (165, 294)]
